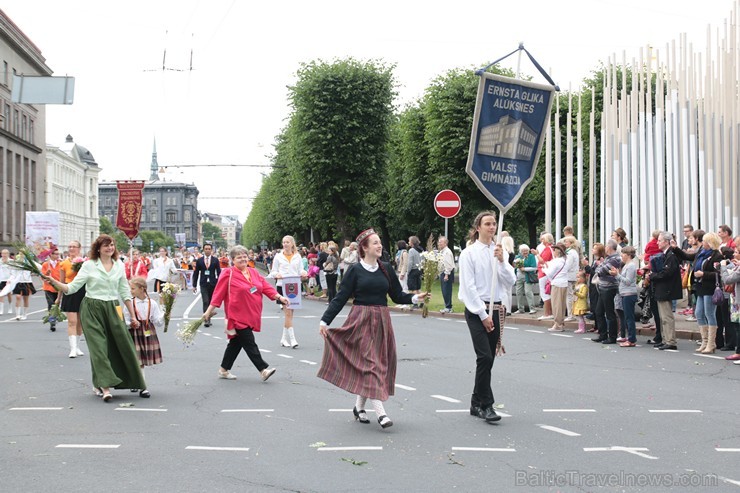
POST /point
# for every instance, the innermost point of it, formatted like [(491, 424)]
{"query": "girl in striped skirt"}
[(360, 356), (151, 318)]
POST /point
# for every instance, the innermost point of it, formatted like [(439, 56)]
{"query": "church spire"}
[(154, 166)]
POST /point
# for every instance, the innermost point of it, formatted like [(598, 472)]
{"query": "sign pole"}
[(446, 227)]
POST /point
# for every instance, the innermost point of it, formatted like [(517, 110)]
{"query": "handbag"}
[(548, 285), (719, 296), (685, 279)]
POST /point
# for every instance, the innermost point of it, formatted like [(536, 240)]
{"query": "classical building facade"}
[(72, 189), (22, 135), (170, 207)]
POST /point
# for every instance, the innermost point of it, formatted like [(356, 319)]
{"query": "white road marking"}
[(464, 322), (671, 350), (186, 315), (710, 356), (404, 387), (348, 410), (674, 411), (569, 410), (14, 320), (503, 415), (141, 409), (399, 315), (560, 335), (630, 450), (308, 316), (265, 350), (216, 337), (222, 449), (560, 430), (284, 356), (205, 333), (719, 449), (247, 410), (346, 449), (82, 445), (308, 362), (510, 328), (271, 316), (534, 331), (35, 409), (586, 338), (445, 398), (728, 480), (483, 449)]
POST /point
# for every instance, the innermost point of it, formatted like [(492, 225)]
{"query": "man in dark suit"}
[(667, 284), (207, 270)]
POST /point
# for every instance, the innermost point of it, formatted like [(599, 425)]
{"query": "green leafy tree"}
[(157, 238), (212, 233), (121, 240)]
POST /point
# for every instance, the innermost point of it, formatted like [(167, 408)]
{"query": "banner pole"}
[(446, 228), (494, 267)]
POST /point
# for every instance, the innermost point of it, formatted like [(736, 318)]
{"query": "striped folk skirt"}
[(360, 356), (112, 355), (147, 347)]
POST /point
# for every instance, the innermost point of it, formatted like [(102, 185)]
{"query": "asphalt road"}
[(579, 416)]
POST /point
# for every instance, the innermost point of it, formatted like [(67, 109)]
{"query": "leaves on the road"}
[(453, 460), (318, 444), (354, 462), (126, 404), (499, 406)]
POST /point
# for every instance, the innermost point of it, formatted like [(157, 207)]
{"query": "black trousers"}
[(725, 333), (484, 344), (50, 299), (244, 339), (606, 316), (331, 286), (206, 293)]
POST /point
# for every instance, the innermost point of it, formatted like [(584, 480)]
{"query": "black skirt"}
[(71, 302), (24, 289)]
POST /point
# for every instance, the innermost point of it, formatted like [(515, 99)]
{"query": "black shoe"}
[(728, 348), (53, 328), (207, 324), (145, 394), (653, 342), (609, 341), (666, 346), (490, 415), (476, 411), (599, 339), (385, 421), (360, 415)]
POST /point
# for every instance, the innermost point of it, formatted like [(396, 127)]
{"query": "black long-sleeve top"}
[(367, 288)]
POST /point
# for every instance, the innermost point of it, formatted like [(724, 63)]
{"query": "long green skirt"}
[(112, 355)]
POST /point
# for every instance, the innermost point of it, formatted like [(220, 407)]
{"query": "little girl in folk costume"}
[(580, 305), (150, 317)]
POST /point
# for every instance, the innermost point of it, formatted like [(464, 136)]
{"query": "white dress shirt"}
[(448, 261), (476, 278)]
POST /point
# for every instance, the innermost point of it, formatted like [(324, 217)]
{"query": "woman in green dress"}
[(112, 355)]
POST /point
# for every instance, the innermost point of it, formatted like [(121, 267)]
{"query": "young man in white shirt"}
[(479, 262)]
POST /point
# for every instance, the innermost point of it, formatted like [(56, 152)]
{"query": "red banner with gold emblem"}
[(130, 199)]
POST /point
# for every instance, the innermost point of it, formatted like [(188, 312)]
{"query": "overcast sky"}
[(233, 103)]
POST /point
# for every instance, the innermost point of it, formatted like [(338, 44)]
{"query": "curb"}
[(687, 334)]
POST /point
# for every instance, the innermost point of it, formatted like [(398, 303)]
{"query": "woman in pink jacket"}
[(240, 288)]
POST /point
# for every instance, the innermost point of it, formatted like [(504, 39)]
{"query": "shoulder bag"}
[(548, 285)]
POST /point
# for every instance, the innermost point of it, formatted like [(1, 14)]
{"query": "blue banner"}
[(505, 144)]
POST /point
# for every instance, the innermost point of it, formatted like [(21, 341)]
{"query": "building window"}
[(154, 201), (143, 216), (154, 216), (186, 216), (171, 217), (107, 201)]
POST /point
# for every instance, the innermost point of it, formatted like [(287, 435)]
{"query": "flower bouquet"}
[(28, 261), (55, 315), (167, 297), (187, 333), (77, 263), (430, 263)]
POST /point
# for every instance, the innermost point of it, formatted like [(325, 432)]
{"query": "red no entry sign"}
[(447, 204)]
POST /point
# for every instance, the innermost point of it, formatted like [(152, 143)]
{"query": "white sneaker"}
[(226, 375), (531, 312), (78, 352), (2, 308), (570, 319), (267, 373), (545, 317), (72, 353), (555, 328), (520, 311)]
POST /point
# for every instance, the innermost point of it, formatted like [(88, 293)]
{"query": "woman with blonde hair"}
[(287, 263)]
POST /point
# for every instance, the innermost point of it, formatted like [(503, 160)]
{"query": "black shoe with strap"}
[(360, 415)]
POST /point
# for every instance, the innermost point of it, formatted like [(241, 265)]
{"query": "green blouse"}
[(99, 284)]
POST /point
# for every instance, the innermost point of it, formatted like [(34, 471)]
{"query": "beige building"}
[(72, 189), (22, 135)]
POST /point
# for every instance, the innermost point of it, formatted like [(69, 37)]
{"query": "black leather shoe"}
[(385, 421), (490, 415), (207, 324), (476, 411), (599, 339), (360, 415), (728, 348), (609, 341), (665, 346), (658, 346)]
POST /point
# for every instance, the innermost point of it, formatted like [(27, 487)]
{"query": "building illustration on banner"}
[(509, 138)]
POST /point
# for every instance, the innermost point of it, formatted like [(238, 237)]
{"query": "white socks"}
[(291, 337), (378, 407), (360, 402)]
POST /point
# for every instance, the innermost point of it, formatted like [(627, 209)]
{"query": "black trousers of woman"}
[(725, 332), (244, 339), (331, 286)]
